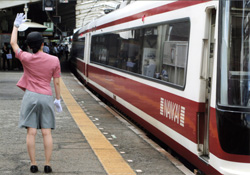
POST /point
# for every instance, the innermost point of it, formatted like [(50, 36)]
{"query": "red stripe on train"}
[(147, 99)]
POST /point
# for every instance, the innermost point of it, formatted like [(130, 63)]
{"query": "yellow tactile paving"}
[(111, 160)]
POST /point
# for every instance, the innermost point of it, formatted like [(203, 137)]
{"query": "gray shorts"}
[(37, 111)]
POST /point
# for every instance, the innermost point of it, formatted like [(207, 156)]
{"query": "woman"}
[(37, 110)]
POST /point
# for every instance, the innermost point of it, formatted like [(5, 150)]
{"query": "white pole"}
[(26, 9)]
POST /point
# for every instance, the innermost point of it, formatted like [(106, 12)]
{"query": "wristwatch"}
[(16, 25)]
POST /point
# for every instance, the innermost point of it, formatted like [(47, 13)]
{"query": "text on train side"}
[(172, 111)]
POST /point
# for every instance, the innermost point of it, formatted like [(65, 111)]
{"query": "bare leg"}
[(48, 144), (31, 142)]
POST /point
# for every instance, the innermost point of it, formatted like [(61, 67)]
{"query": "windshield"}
[(234, 80)]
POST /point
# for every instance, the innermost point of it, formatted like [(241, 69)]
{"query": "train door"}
[(206, 75)]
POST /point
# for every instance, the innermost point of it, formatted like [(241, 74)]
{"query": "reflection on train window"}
[(157, 52), (175, 50), (78, 48)]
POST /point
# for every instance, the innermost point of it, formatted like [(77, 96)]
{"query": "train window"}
[(157, 52), (78, 48)]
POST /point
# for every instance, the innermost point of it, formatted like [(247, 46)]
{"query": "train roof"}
[(134, 11)]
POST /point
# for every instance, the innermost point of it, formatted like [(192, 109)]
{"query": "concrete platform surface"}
[(72, 153)]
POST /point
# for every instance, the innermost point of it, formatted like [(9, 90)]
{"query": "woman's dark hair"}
[(34, 41)]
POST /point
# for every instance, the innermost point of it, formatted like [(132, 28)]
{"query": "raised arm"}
[(18, 21), (13, 40)]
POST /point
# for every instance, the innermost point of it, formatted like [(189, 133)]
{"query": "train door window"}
[(104, 49), (174, 53), (98, 49), (79, 48)]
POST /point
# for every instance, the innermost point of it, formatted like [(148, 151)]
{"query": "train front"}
[(233, 84)]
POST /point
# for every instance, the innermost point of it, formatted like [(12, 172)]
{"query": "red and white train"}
[(181, 69)]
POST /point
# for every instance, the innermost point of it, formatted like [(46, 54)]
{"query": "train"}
[(180, 69)]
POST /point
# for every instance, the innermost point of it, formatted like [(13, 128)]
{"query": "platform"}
[(89, 139)]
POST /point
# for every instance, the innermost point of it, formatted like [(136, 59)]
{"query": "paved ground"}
[(72, 153)]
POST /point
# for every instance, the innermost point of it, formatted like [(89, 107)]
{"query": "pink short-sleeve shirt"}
[(39, 68)]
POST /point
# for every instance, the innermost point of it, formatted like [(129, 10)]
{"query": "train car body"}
[(177, 69)]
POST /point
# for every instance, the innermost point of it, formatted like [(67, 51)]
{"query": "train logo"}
[(172, 111)]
